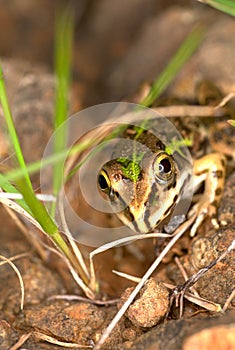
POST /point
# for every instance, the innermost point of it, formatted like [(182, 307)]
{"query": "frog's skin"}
[(144, 199)]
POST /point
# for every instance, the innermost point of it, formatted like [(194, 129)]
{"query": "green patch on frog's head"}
[(131, 169)]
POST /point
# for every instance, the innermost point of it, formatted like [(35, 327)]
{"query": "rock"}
[(71, 323), (179, 334), (218, 337), (151, 306)]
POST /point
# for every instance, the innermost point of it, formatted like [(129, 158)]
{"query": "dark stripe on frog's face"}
[(153, 198), (218, 174)]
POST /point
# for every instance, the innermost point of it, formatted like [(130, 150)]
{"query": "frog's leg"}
[(210, 168)]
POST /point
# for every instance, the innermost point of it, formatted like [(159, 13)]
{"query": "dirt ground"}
[(117, 47)]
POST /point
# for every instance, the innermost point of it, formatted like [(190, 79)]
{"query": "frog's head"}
[(141, 194)]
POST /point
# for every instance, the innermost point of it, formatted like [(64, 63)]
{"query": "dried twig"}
[(185, 275), (48, 339), (127, 276), (190, 111), (52, 340), (40, 196), (18, 209), (74, 246), (225, 100), (78, 297), (15, 257), (21, 341), (19, 277), (229, 300)]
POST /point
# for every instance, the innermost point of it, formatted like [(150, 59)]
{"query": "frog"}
[(144, 199)]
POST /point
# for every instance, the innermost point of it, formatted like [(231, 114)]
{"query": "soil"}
[(116, 48)]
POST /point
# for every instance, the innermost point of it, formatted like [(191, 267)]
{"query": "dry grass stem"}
[(225, 100), (88, 292), (19, 277), (78, 297), (40, 196), (15, 257), (48, 339), (202, 302), (18, 209), (185, 275), (229, 300), (74, 246), (21, 341), (127, 276), (191, 111), (206, 304)]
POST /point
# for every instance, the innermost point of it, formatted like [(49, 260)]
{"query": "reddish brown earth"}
[(117, 47)]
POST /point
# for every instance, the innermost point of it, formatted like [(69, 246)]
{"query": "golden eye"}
[(104, 182), (163, 167)]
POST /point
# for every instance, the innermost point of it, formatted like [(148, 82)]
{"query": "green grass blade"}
[(184, 52), (63, 52), (9, 188), (227, 6), (24, 184), (32, 168), (12, 130)]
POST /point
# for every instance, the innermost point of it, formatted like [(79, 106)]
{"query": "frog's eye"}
[(163, 167), (104, 183)]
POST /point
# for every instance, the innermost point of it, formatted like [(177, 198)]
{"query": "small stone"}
[(152, 305)]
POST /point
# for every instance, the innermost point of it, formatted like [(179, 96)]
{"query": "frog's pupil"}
[(165, 165), (102, 183)]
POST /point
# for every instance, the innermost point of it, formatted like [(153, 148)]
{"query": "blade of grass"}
[(227, 6), (12, 130), (184, 52), (63, 52), (24, 183), (9, 188), (32, 168)]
